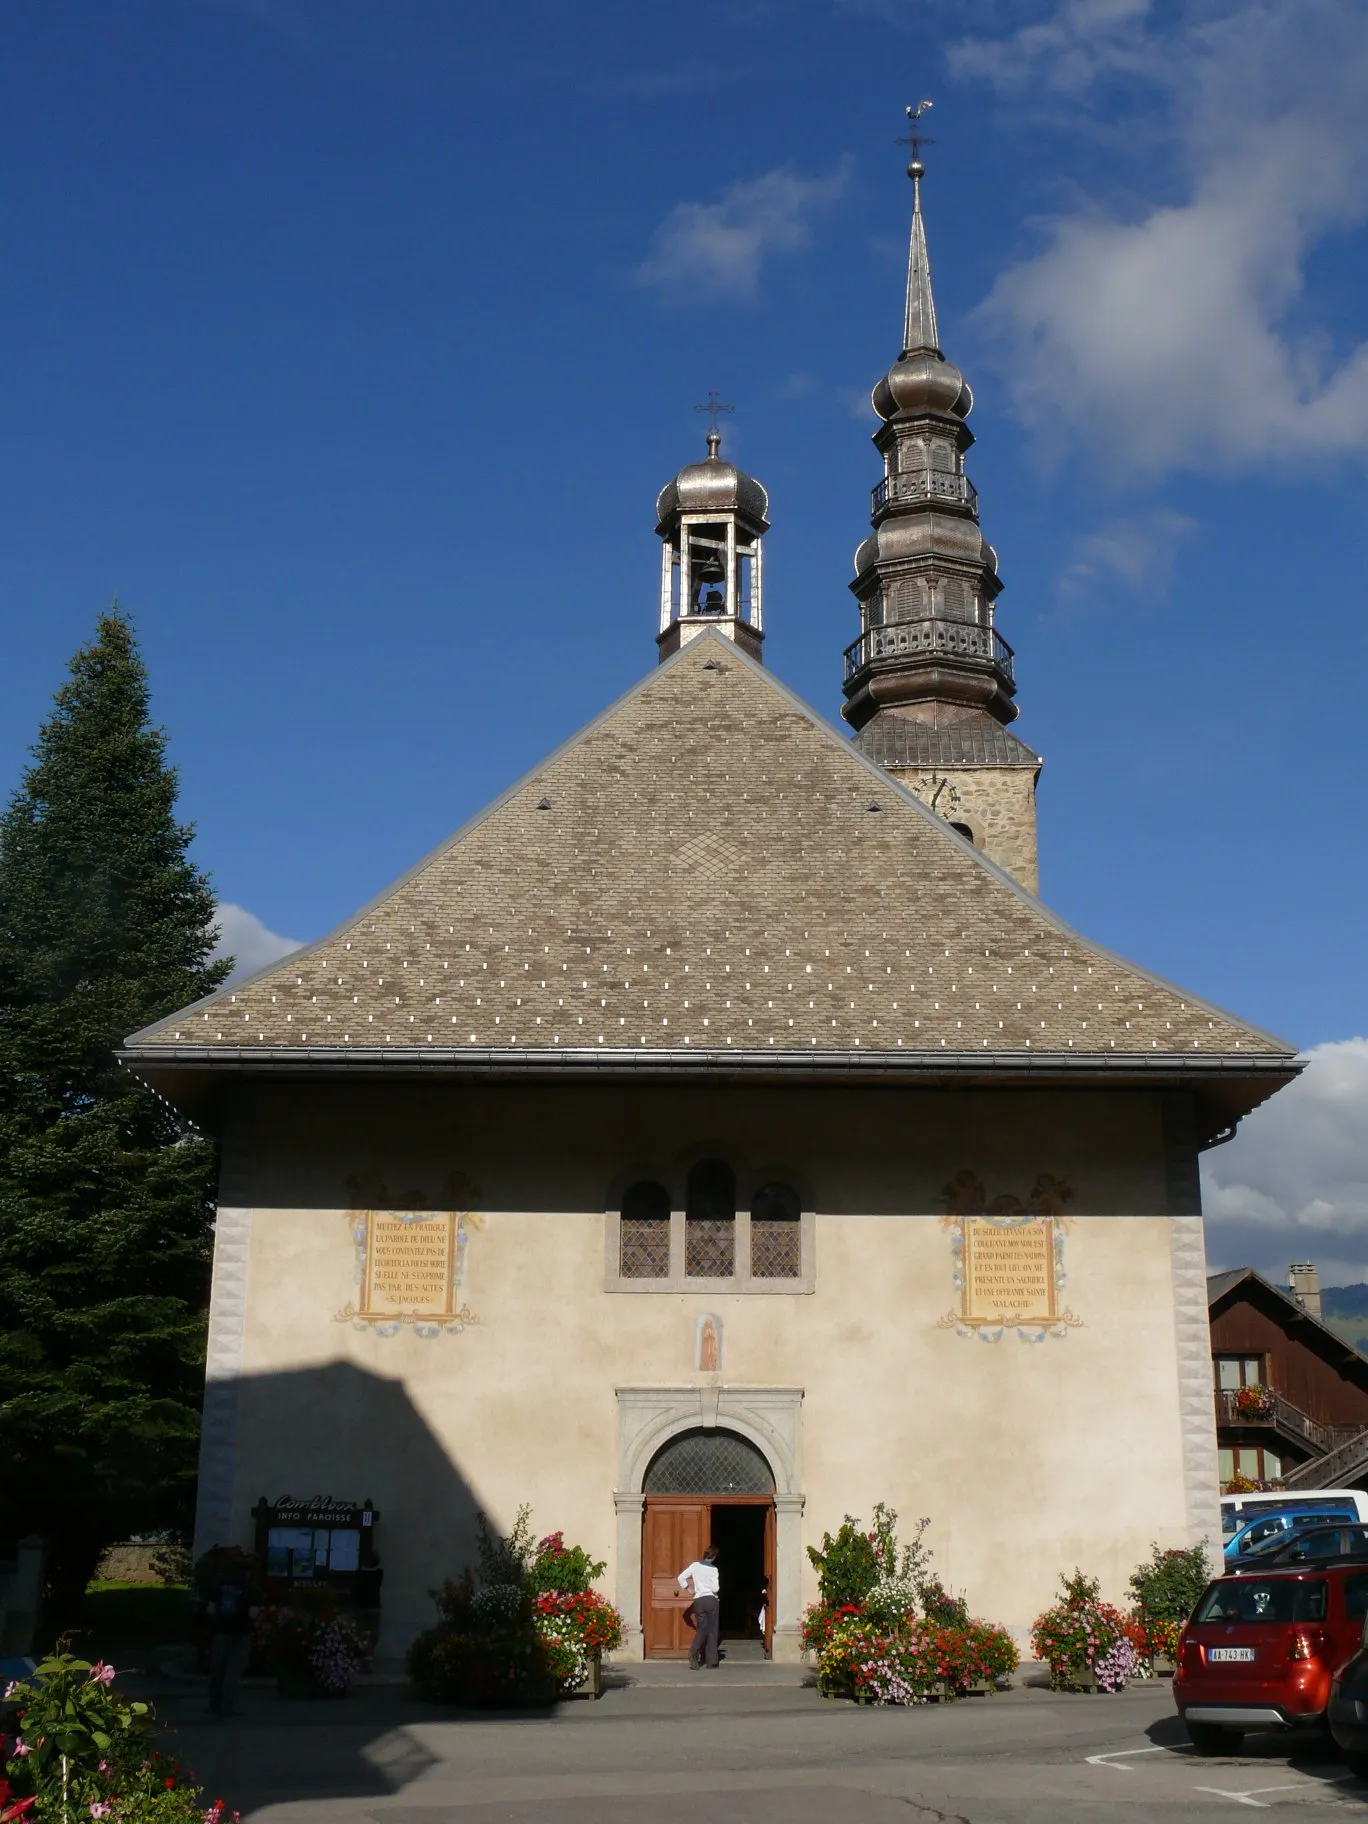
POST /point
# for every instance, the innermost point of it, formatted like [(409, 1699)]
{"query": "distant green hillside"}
[(1345, 1309)]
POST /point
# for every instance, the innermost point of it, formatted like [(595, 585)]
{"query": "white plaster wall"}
[(1028, 1457)]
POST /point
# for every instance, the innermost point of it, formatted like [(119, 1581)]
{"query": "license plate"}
[(1228, 1653)]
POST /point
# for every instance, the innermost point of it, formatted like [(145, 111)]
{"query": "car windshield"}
[(1263, 1599)]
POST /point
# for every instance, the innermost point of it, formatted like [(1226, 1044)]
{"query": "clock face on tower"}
[(938, 791)]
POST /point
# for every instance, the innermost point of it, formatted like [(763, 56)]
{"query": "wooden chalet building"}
[(1291, 1394)]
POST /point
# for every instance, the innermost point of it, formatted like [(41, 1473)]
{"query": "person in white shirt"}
[(702, 1582)]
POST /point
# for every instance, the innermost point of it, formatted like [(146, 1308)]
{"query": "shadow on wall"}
[(342, 1431)]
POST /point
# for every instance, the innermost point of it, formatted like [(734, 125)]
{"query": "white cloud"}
[(1134, 554), (1293, 1183), (242, 936), (1164, 334), (711, 250), (1067, 53)]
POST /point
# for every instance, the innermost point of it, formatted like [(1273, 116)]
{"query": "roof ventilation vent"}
[(711, 665), (545, 805), (873, 807)]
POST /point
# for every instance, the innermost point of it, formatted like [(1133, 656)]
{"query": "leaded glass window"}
[(709, 1463), (776, 1234), (645, 1232), (710, 1221)]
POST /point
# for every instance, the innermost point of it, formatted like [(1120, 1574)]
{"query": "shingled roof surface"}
[(709, 867)]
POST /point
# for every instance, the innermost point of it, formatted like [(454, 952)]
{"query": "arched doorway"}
[(708, 1487)]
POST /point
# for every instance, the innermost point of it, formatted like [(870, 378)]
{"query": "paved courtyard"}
[(747, 1746)]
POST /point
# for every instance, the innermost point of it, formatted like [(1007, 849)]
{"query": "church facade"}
[(718, 1136)]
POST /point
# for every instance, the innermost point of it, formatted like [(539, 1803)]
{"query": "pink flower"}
[(21, 1747), (104, 1675), (100, 1808)]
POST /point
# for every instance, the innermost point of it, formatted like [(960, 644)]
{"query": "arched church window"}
[(962, 829), (644, 1244), (708, 1463), (776, 1235), (710, 1221)]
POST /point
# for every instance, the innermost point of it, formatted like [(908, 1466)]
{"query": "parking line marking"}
[(1247, 1797), (1119, 1754)]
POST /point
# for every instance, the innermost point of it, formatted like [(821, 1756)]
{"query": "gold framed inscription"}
[(410, 1260), (1009, 1271), (1007, 1260), (410, 1266)]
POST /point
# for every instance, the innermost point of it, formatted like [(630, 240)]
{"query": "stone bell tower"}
[(930, 682), (712, 518)]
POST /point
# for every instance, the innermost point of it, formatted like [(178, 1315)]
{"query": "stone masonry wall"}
[(998, 803)]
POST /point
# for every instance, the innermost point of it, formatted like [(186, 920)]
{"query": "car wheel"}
[(1214, 1738), (1357, 1764)]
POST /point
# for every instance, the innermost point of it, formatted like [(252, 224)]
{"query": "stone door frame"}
[(770, 1418)]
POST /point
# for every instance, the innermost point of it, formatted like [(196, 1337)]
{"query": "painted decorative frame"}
[(1003, 1287)]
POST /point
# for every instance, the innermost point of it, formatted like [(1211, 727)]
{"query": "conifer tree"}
[(105, 1198)]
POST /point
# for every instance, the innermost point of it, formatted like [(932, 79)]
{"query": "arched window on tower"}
[(644, 1247), (962, 829), (710, 1221), (957, 599), (776, 1233)]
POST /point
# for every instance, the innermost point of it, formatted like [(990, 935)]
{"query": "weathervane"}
[(916, 140), (714, 406)]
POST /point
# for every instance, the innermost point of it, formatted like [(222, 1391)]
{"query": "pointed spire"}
[(919, 327)]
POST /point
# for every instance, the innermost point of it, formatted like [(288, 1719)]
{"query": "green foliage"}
[(105, 1202), (524, 1632), (71, 1723), (504, 1558), (847, 1565), (940, 1607), (1167, 1584), (558, 1569), (84, 1750), (859, 1566)]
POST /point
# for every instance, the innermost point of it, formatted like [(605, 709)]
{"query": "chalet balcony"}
[(925, 484), (1269, 1411), (930, 636)]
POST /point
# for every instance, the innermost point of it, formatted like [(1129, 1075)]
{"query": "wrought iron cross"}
[(712, 408), (914, 139)]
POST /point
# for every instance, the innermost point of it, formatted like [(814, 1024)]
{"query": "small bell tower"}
[(712, 518)]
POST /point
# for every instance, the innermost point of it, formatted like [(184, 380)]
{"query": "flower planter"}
[(1161, 1665)]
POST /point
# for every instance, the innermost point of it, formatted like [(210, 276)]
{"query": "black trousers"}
[(704, 1648)]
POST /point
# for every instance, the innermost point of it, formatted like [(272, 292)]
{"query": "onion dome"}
[(712, 486)]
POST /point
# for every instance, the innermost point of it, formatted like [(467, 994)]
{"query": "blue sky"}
[(349, 341)]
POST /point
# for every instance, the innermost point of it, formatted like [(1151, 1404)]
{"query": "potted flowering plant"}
[(887, 1631), (1254, 1402), (1084, 1640), (83, 1750), (315, 1649), (529, 1630), (1166, 1588)]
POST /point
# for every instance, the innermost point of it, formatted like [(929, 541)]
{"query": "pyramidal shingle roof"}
[(708, 870)]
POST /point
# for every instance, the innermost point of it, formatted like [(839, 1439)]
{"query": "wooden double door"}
[(677, 1529)]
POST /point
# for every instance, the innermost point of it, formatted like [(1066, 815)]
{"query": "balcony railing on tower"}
[(930, 634), (925, 484)]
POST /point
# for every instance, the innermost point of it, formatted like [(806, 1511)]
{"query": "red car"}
[(1259, 1652)]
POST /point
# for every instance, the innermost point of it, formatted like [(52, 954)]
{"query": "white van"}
[(1238, 1510)]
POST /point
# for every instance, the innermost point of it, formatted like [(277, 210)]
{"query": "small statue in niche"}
[(708, 1344)]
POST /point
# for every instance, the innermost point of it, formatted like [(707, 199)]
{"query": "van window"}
[(1356, 1596), (1263, 1599)]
